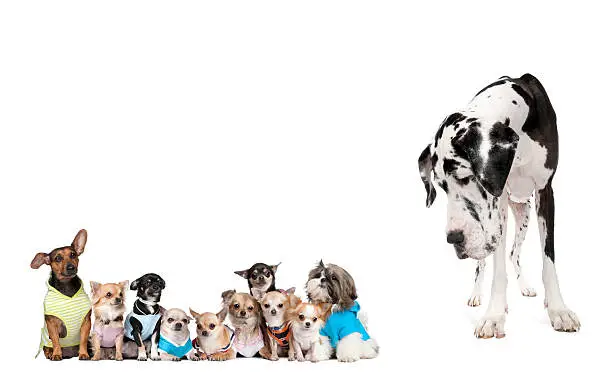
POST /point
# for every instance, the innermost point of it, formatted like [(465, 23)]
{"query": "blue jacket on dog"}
[(343, 323)]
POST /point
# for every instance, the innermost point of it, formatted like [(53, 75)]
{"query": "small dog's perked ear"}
[(426, 165), (243, 273), (227, 296), (134, 284), (501, 142), (193, 313), (222, 314), (78, 244), (162, 281), (321, 264), (39, 260), (124, 284), (290, 291), (274, 267), (258, 294), (95, 287)]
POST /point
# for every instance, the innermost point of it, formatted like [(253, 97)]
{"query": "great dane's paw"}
[(564, 320), (474, 300), (528, 292), (491, 326)]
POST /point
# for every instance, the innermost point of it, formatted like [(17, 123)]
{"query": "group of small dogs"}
[(266, 322)]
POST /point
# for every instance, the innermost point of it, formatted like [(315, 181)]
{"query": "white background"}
[(195, 138)]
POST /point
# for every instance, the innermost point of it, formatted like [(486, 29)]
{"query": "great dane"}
[(499, 151)]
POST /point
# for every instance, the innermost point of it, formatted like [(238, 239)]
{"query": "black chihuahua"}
[(260, 276)]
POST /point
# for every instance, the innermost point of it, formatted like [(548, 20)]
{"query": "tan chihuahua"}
[(108, 308), (215, 340)]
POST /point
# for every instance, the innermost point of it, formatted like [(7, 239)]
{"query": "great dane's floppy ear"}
[(491, 159), (426, 165)]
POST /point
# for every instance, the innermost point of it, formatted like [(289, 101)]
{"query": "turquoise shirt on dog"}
[(343, 323)]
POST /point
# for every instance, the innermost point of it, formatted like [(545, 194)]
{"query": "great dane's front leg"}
[(492, 324), (476, 296), (561, 318)]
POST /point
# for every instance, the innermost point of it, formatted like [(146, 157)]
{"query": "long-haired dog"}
[(247, 318), (108, 308), (343, 332)]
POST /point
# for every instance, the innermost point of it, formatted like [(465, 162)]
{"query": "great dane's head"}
[(471, 163)]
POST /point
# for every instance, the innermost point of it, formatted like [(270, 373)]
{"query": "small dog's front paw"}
[(83, 356), (176, 359), (528, 292), (56, 357), (291, 357), (142, 358), (474, 300), (348, 358), (155, 358), (118, 357), (273, 358), (301, 359), (564, 320), (491, 326)]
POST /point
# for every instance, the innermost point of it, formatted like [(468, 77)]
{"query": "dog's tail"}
[(363, 318)]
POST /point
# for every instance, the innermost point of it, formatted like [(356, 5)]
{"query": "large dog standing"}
[(497, 152)]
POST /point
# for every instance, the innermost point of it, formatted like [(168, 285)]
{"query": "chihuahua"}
[(142, 320), (215, 340), (276, 306), (67, 306), (108, 309), (246, 316), (172, 341), (260, 276), (306, 322)]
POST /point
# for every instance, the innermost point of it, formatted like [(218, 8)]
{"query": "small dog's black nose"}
[(260, 278), (70, 267), (178, 326), (455, 237), (273, 312), (205, 333), (242, 313), (118, 300), (307, 324)]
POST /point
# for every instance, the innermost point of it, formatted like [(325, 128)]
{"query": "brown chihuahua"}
[(108, 308), (67, 307)]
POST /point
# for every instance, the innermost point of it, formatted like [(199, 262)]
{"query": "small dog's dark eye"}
[(170, 320), (108, 295), (266, 306), (120, 294), (73, 254), (267, 274), (199, 326), (301, 317), (254, 276), (185, 321), (58, 258), (236, 306), (211, 326), (334, 278), (314, 319), (280, 305), (250, 308)]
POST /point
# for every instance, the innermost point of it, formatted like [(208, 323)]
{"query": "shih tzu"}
[(343, 332)]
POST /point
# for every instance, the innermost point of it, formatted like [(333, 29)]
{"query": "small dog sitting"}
[(215, 340), (67, 307), (343, 331), (260, 277), (172, 341), (142, 320), (246, 317), (276, 306), (306, 321), (108, 309)]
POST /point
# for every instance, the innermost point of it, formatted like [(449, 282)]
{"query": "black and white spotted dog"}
[(497, 152)]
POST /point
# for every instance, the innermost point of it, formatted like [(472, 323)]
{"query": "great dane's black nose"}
[(455, 237)]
